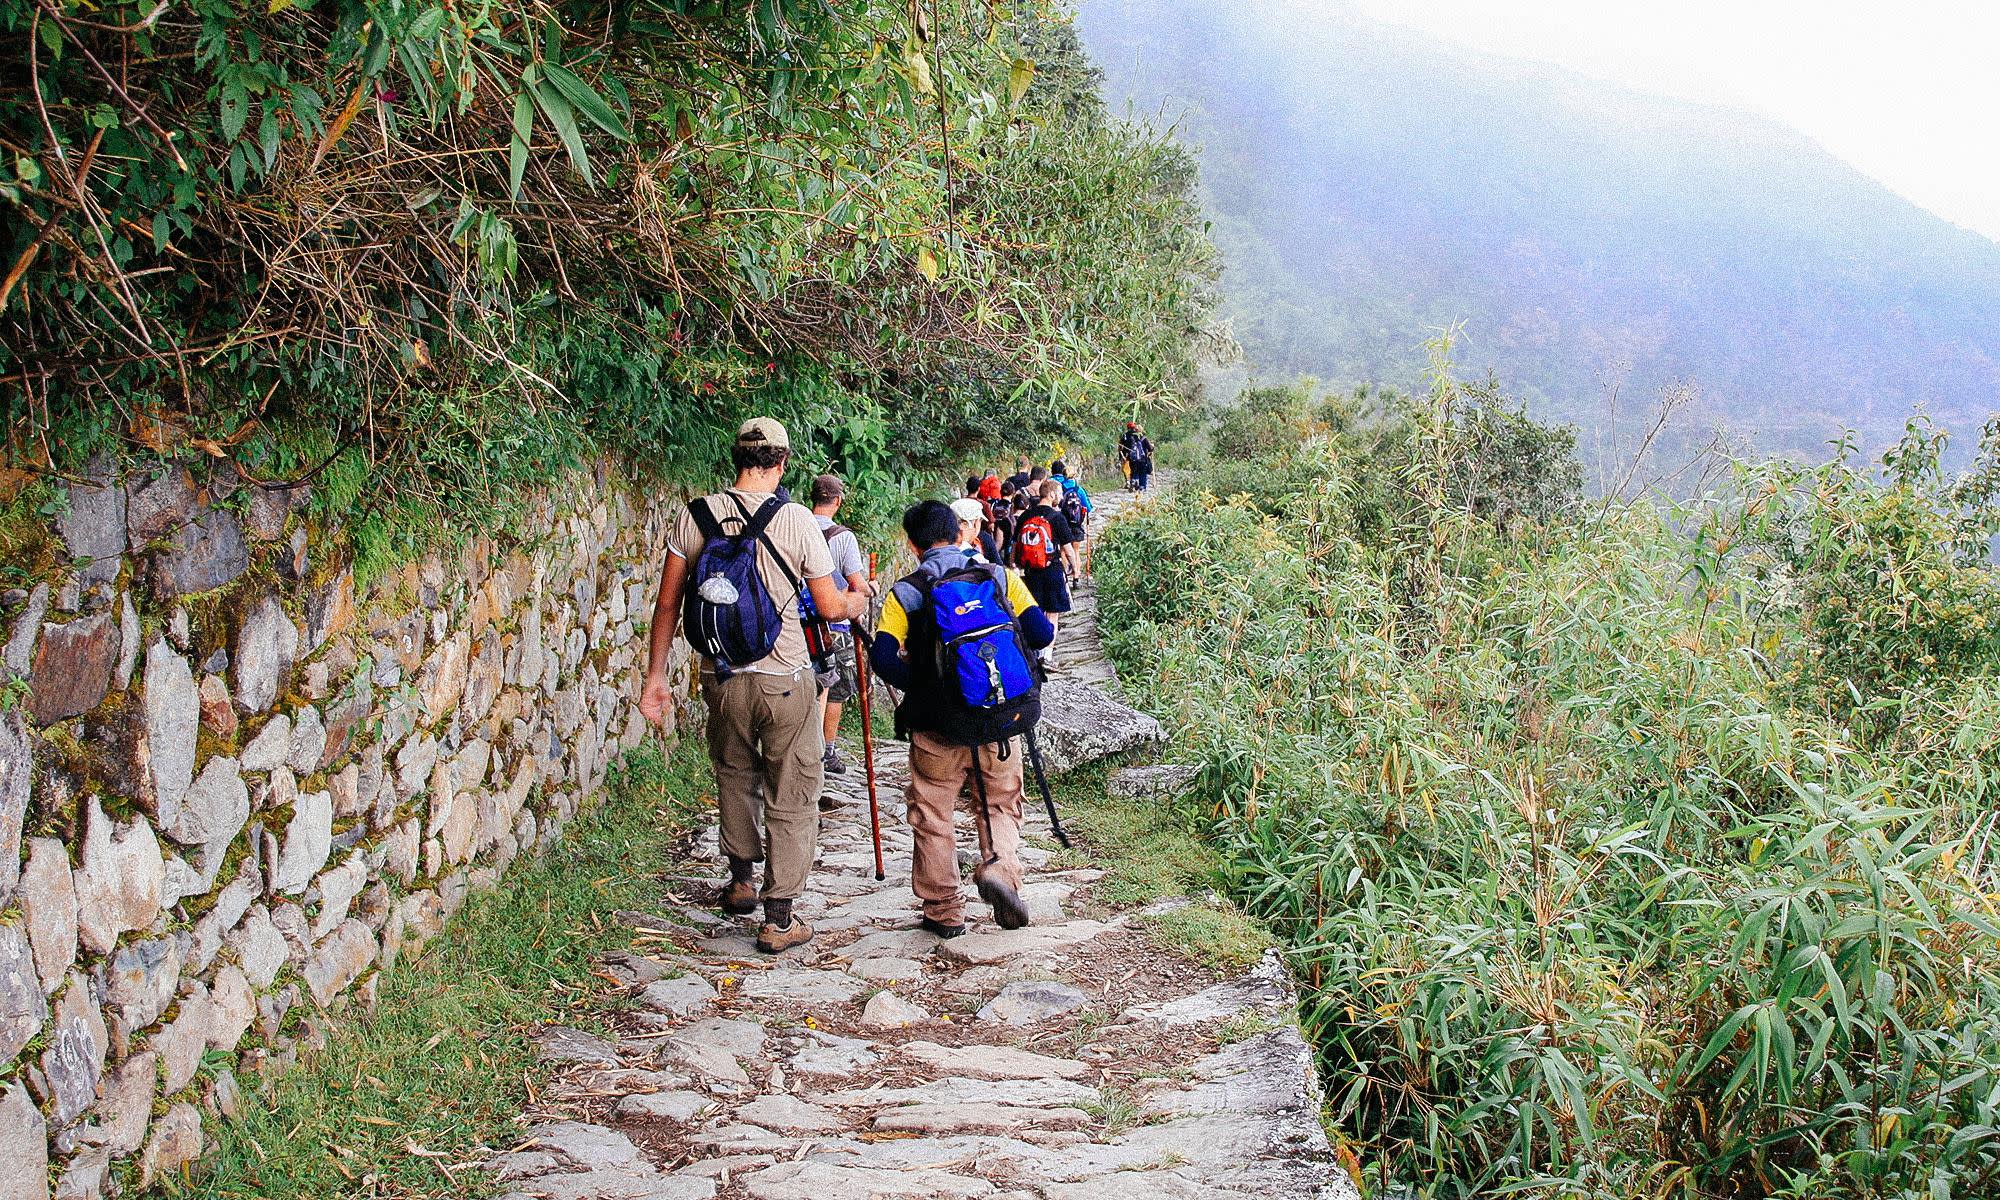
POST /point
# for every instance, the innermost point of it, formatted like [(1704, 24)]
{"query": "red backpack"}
[(1035, 542)]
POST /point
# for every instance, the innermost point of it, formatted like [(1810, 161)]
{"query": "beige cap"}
[(968, 510), (766, 430)]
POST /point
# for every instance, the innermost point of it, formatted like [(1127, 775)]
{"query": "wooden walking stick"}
[(868, 746), (867, 682)]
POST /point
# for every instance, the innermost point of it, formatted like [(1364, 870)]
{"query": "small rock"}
[(120, 883), (999, 945), (788, 1114), (308, 841), (308, 740), (704, 1058), (201, 555), (584, 1146), (74, 1059), (1030, 1003), (176, 1141), (20, 652), (887, 1010), (139, 982), (218, 712), (805, 986), (816, 1180), (126, 1107), (48, 904), (994, 1062), (678, 1106), (271, 747), (181, 1043), (888, 970), (155, 507), (681, 997), (442, 680), (265, 648), (835, 1056), (72, 668), (23, 1007), (173, 707), (259, 948), (1163, 781), (17, 772), (235, 1009), (24, 1147), (271, 506), (733, 1035), (128, 642), (339, 961), (93, 525), (561, 1044), (948, 1120)]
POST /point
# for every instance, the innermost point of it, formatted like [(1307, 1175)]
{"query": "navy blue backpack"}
[(988, 685), (728, 613)]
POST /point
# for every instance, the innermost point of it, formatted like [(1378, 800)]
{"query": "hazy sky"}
[(1905, 90)]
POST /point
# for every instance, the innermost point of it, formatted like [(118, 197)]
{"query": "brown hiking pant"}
[(765, 741), (941, 783)]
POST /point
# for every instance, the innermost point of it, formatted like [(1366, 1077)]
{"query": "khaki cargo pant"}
[(940, 784), (765, 742)]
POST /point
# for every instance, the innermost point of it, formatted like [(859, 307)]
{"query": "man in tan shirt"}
[(764, 734)]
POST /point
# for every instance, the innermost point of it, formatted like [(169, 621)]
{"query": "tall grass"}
[(1634, 854)]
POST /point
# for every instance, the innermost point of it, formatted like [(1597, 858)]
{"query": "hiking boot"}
[(1008, 910), (947, 932), (773, 938), (738, 897), (833, 762)]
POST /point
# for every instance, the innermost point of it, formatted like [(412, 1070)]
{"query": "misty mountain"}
[(1369, 186)]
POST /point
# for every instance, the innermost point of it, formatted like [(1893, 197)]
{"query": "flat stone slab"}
[(677, 1106), (994, 1062), (999, 945), (825, 1181), (788, 1114), (1031, 1002), (561, 1044), (947, 1119), (1264, 989), (680, 997), (802, 985), (1024, 1093)]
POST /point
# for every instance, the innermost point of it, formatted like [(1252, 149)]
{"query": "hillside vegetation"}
[(1627, 850), (427, 255)]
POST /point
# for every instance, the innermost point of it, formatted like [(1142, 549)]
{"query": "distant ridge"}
[(1369, 185)]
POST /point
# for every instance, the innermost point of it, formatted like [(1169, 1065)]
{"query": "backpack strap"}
[(704, 519), (834, 531), (754, 527)]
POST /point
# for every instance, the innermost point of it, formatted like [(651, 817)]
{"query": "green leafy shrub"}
[(1594, 894)]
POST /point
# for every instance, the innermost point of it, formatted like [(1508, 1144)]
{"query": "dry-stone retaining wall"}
[(232, 788)]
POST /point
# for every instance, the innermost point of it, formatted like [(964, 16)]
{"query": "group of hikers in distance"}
[(771, 594)]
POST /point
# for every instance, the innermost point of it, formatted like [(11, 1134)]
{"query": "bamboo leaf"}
[(560, 115), (517, 152), (586, 101)]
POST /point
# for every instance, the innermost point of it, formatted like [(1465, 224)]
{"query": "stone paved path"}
[(1075, 1058)]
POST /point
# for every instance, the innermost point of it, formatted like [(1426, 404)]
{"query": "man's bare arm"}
[(666, 622)]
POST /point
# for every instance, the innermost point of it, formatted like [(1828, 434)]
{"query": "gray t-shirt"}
[(847, 559)]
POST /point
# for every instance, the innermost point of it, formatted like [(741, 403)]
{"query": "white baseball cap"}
[(968, 510), (765, 430)]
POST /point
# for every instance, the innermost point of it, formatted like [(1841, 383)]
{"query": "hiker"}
[(838, 682), (1135, 449), (1076, 509), (738, 561), (973, 537), (1020, 476), (1039, 540), (934, 621)]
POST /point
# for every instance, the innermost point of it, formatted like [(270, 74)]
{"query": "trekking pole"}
[(1048, 797), (868, 747)]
